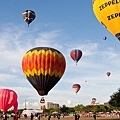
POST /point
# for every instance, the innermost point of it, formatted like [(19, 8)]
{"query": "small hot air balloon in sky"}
[(76, 87), (42, 100), (28, 16), (8, 99), (105, 38), (76, 54), (108, 74), (108, 14), (43, 67), (93, 101)]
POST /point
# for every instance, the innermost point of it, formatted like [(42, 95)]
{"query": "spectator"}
[(49, 117), (75, 116), (78, 116), (31, 116), (5, 116), (94, 116)]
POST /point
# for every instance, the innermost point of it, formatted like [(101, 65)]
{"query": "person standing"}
[(49, 117), (58, 116), (31, 116), (38, 117), (75, 116), (94, 116), (5, 116), (78, 116), (16, 116)]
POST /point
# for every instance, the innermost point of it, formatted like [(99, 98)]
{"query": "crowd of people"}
[(39, 116), (76, 116), (15, 117)]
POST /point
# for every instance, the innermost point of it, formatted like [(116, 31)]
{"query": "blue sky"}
[(64, 25)]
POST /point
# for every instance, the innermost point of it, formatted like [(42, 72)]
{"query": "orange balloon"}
[(43, 67)]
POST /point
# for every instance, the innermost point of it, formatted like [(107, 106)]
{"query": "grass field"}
[(69, 118)]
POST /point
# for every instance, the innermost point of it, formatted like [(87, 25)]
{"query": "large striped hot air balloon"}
[(76, 87), (8, 99), (76, 54), (43, 67)]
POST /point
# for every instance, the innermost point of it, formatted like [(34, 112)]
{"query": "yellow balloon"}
[(108, 14)]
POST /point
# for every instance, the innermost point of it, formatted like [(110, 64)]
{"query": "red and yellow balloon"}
[(76, 87), (108, 14), (43, 67)]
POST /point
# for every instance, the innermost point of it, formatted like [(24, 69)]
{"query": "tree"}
[(115, 99), (64, 109), (46, 111), (79, 107)]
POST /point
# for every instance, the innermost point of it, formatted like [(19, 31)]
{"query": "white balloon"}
[(69, 102)]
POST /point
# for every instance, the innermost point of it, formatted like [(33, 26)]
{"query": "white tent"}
[(28, 112)]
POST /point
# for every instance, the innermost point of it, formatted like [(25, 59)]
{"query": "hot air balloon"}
[(76, 87), (76, 54), (105, 38), (42, 100), (69, 102), (43, 67), (108, 14), (8, 98), (108, 74), (28, 16), (93, 101)]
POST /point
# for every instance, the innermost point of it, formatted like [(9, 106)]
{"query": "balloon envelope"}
[(76, 87), (76, 54), (108, 74), (43, 67), (16, 107), (93, 101), (8, 98), (108, 14), (28, 16), (69, 102)]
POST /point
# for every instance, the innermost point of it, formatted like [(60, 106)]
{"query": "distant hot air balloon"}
[(43, 67), (28, 16), (76, 54), (108, 14), (105, 38), (42, 100), (69, 102), (8, 98), (76, 87), (93, 101), (108, 74)]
